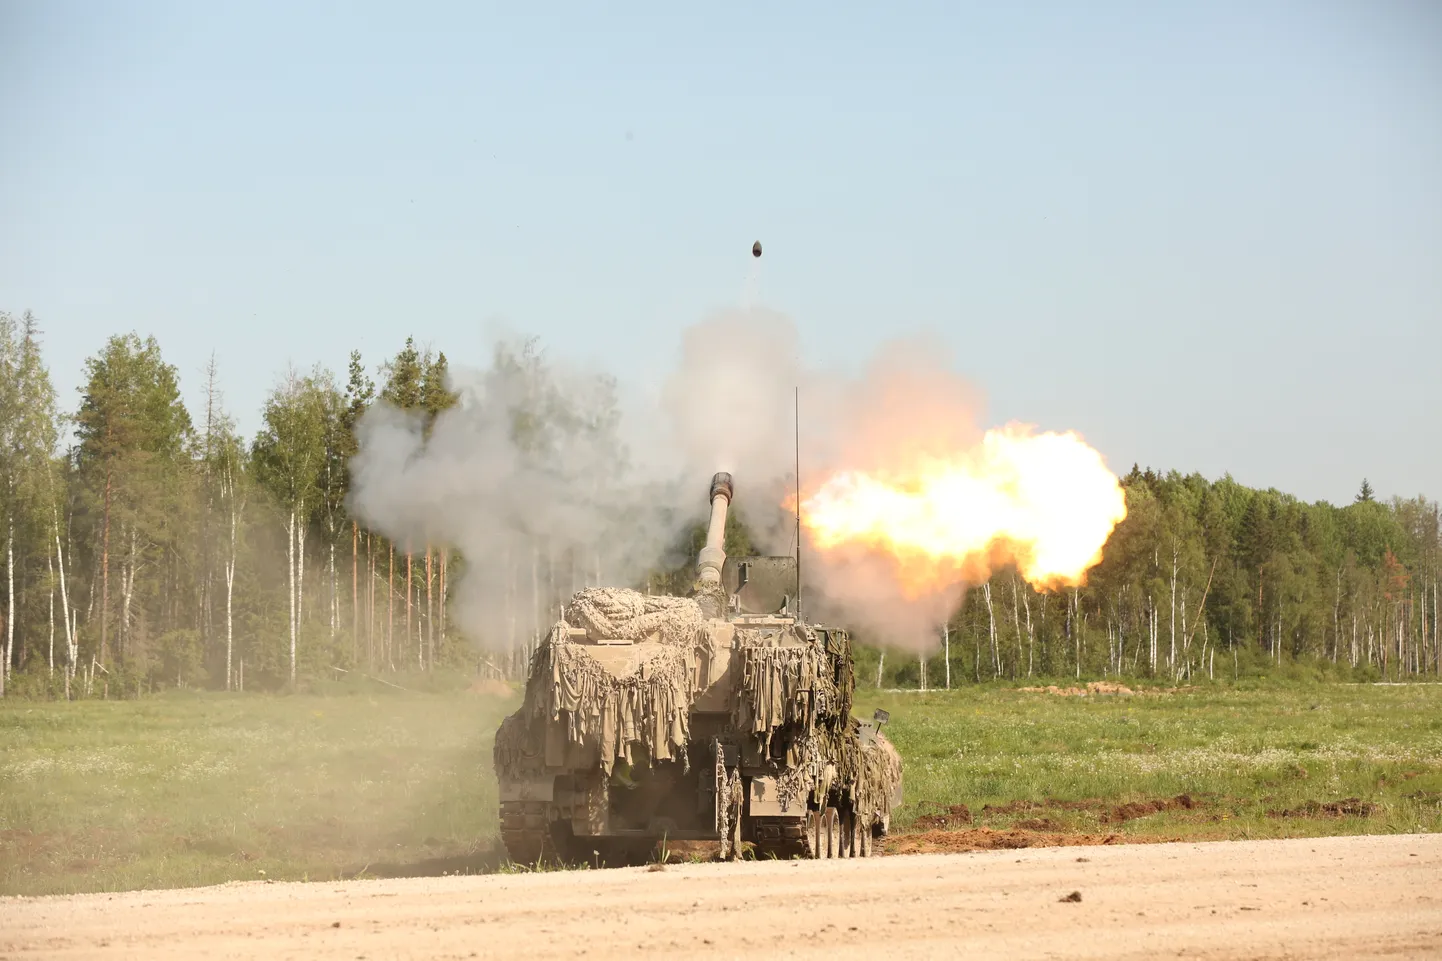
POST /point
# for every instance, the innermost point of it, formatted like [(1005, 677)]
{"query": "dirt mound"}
[(1140, 809), (1347, 807), (946, 819), (490, 687), (1093, 687)]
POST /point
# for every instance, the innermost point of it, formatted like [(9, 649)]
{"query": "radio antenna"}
[(797, 410)]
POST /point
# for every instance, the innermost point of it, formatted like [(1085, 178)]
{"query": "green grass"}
[(191, 789), (1243, 757), (198, 789)]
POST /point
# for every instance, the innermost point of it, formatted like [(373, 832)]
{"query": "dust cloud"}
[(548, 477)]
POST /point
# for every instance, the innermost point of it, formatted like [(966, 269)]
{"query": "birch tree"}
[(289, 455)]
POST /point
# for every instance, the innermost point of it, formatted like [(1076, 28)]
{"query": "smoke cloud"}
[(548, 477)]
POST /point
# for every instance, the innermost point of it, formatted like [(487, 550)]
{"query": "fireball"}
[(1045, 502)]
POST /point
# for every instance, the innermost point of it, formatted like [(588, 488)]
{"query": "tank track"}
[(529, 847)]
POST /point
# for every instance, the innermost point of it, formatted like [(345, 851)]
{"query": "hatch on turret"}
[(762, 584)]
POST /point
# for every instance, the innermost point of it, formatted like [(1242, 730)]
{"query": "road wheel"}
[(863, 838), (830, 834), (848, 835), (815, 838)]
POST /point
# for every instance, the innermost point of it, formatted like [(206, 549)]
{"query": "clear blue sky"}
[(1208, 236)]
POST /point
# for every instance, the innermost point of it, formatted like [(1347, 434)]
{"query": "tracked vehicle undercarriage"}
[(718, 717)]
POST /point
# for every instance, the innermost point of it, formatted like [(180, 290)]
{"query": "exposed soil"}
[(957, 815), (1316, 898), (1347, 807), (992, 839), (1054, 822)]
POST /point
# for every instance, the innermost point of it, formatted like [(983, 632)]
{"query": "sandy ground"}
[(1359, 897)]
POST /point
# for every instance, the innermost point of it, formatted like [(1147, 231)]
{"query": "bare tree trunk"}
[(70, 643), (880, 667), (430, 609), (354, 592), (391, 608), (290, 585), (441, 612), (946, 651), (1152, 617), (105, 570), (1172, 620), (230, 592), (10, 605), (1030, 634), (371, 601), (127, 588), (1337, 618), (419, 658), (1354, 638), (1016, 619), (1076, 634), (300, 526), (50, 567), (991, 620)]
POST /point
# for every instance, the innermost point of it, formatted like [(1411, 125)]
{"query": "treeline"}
[(1201, 571), (150, 545)]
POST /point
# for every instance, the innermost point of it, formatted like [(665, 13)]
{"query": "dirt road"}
[(1332, 898)]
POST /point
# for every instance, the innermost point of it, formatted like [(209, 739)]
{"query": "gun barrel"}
[(713, 555)]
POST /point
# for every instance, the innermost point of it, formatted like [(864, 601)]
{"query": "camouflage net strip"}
[(618, 614), (612, 714), (869, 770), (779, 686), (878, 771)]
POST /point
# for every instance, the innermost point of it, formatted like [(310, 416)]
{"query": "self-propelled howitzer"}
[(721, 716)]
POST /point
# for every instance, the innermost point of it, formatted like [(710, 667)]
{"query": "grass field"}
[(196, 789), (1213, 762)]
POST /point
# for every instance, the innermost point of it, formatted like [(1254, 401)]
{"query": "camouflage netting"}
[(871, 770), (598, 710), (777, 685), (618, 614)]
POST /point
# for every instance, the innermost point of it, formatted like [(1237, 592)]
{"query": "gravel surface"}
[(1355, 897)]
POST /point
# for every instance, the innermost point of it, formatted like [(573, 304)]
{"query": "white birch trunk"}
[(290, 584), (300, 526), (229, 596), (50, 567), (70, 643), (1172, 621), (991, 621), (1016, 619), (127, 587), (1076, 638), (1030, 633), (946, 651), (9, 606), (334, 592)]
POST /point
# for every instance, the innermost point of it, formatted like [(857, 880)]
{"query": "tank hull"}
[(735, 731)]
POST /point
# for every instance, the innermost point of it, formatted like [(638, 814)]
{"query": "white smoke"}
[(543, 484)]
